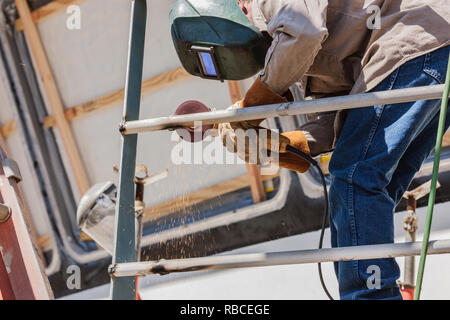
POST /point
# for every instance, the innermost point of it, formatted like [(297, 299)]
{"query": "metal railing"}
[(277, 258), (285, 109)]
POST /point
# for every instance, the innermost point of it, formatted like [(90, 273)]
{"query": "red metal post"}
[(20, 264), (6, 290)]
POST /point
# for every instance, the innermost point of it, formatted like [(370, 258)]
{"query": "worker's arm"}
[(298, 29)]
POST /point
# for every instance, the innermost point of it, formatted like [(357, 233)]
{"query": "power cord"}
[(326, 211)]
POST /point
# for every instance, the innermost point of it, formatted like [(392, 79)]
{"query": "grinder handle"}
[(279, 147)]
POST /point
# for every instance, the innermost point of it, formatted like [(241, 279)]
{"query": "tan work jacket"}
[(338, 43), (346, 46)]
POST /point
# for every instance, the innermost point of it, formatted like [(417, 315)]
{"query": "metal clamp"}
[(12, 170), (5, 213)]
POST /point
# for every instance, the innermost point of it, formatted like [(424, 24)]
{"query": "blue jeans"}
[(379, 151)]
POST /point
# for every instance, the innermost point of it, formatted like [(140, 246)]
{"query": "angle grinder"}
[(199, 133), (195, 134)]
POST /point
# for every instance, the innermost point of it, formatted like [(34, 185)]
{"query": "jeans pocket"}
[(435, 64)]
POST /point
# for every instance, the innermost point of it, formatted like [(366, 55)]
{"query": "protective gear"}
[(254, 149), (260, 94), (290, 161), (215, 40)]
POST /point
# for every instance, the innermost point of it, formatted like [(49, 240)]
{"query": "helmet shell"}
[(238, 49)]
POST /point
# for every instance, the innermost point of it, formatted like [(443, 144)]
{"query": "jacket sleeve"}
[(298, 29)]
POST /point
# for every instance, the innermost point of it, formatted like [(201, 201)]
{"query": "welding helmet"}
[(215, 40)]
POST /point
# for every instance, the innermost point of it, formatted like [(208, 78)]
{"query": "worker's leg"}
[(372, 143), (414, 157)]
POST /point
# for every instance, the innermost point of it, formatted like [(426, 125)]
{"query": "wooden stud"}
[(254, 176), (150, 85), (44, 242), (84, 237), (48, 11), (52, 94), (446, 140), (3, 144), (235, 90), (256, 183), (8, 128)]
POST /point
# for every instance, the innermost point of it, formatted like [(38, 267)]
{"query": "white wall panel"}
[(91, 62)]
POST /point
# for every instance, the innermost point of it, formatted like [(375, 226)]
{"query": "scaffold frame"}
[(124, 267)]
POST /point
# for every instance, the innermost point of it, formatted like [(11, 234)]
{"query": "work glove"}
[(260, 94)]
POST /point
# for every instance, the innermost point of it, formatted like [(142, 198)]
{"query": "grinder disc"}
[(192, 134)]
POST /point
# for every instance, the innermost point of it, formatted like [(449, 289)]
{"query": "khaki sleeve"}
[(298, 30)]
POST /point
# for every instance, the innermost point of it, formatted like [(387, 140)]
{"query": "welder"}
[(334, 48)]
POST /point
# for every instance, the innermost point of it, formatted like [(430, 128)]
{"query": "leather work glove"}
[(252, 147), (260, 94)]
